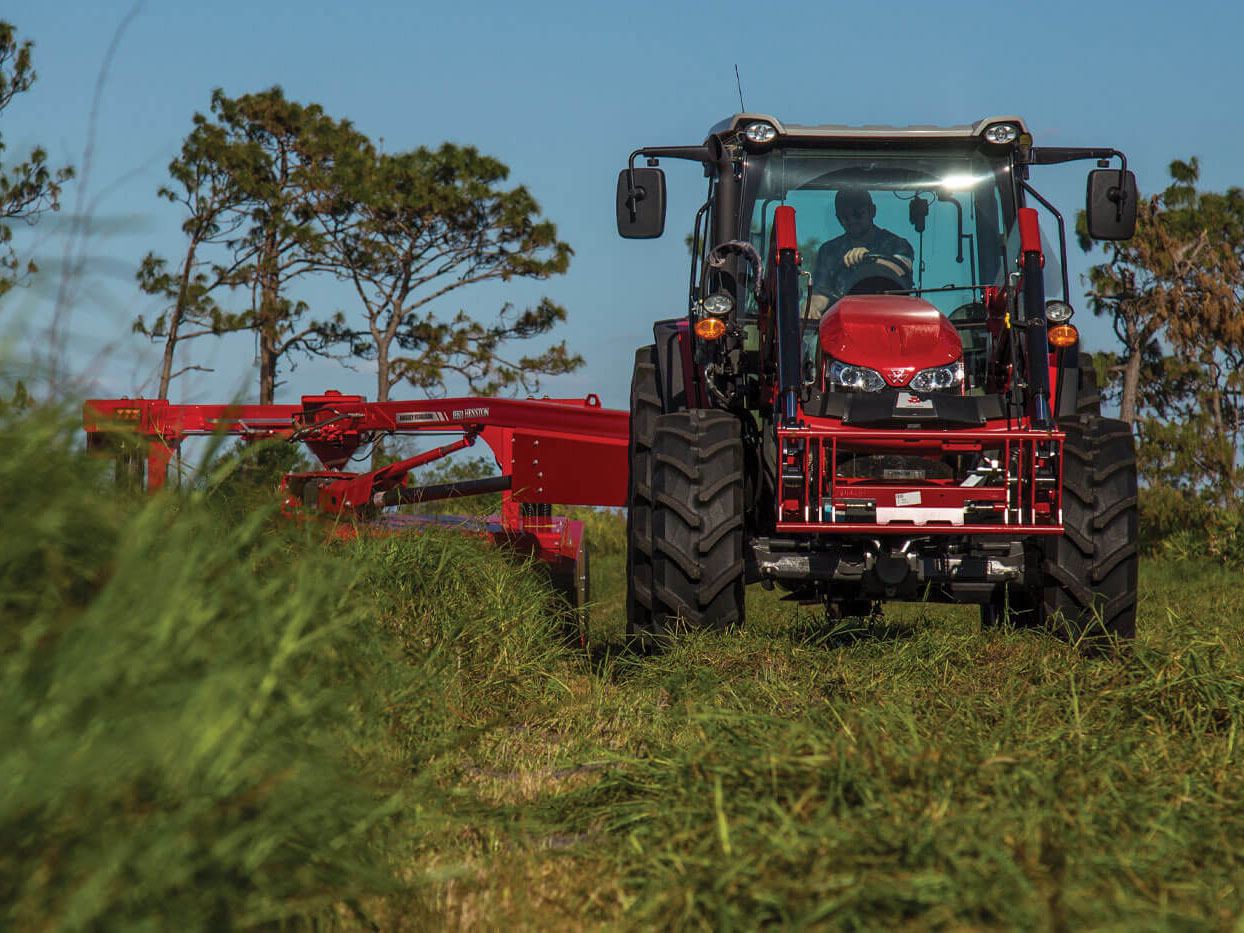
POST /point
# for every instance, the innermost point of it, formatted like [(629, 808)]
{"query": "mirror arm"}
[(1118, 210), (652, 153), (690, 153), (632, 199), (1062, 233), (1052, 155)]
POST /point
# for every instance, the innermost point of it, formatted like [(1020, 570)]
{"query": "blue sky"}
[(562, 92)]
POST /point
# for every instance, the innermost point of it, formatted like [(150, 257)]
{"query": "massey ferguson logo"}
[(900, 375)]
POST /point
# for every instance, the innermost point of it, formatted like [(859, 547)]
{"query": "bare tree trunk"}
[(1131, 386), (174, 323), (267, 369), (382, 372), (268, 295), (170, 345), (382, 395), (1234, 471), (1223, 446)]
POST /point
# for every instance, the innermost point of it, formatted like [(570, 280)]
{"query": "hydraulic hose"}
[(408, 495)]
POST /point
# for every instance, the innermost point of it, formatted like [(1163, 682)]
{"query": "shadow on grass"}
[(841, 633), (612, 659), (618, 658)]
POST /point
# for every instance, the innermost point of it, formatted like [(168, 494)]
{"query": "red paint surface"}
[(784, 236), (1029, 230), (569, 451), (897, 335)]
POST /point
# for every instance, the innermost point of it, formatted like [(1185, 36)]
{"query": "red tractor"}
[(870, 397)]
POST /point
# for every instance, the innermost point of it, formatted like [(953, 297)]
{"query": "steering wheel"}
[(872, 277)]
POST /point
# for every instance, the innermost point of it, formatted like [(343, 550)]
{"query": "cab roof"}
[(868, 131)]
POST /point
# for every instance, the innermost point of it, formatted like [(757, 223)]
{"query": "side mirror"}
[(1111, 210), (641, 209)]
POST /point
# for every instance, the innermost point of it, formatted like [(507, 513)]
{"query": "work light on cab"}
[(760, 132), (1001, 133)]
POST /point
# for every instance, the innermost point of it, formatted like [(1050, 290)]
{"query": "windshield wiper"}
[(942, 288)]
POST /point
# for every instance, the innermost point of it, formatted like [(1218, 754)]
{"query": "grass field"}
[(909, 772), (211, 718)]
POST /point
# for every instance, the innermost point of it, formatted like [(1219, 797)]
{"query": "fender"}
[(677, 379)]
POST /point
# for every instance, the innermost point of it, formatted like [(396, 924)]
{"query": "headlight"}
[(855, 378), (938, 379), (718, 303)]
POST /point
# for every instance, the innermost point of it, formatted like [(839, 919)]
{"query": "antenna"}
[(739, 84)]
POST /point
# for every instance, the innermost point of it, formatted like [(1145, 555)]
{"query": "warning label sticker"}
[(907, 402), (907, 498)]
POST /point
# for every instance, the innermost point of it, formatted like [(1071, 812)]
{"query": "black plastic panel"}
[(898, 409)]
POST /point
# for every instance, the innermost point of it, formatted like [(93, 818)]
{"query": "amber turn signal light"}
[(710, 328), (1064, 335)]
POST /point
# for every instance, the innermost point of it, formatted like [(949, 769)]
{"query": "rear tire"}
[(1090, 571), (645, 409), (697, 522)]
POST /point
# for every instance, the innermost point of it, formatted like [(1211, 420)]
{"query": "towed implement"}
[(568, 451)]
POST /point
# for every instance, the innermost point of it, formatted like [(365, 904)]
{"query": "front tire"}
[(697, 522), (645, 409), (1090, 572)]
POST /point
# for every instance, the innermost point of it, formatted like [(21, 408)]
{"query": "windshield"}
[(930, 222)]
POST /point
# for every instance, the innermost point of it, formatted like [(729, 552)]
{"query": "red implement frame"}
[(567, 451)]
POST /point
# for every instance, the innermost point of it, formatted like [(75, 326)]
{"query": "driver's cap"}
[(852, 198)]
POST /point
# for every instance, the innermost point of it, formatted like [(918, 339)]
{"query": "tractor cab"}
[(883, 230), (922, 212)]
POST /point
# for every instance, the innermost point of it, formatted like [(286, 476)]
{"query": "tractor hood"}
[(896, 335)]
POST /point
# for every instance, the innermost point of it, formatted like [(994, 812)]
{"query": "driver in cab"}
[(865, 251)]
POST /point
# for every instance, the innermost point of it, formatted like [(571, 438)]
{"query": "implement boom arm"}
[(567, 451)]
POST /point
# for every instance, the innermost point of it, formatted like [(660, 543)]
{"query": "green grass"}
[(912, 771), (211, 718)]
